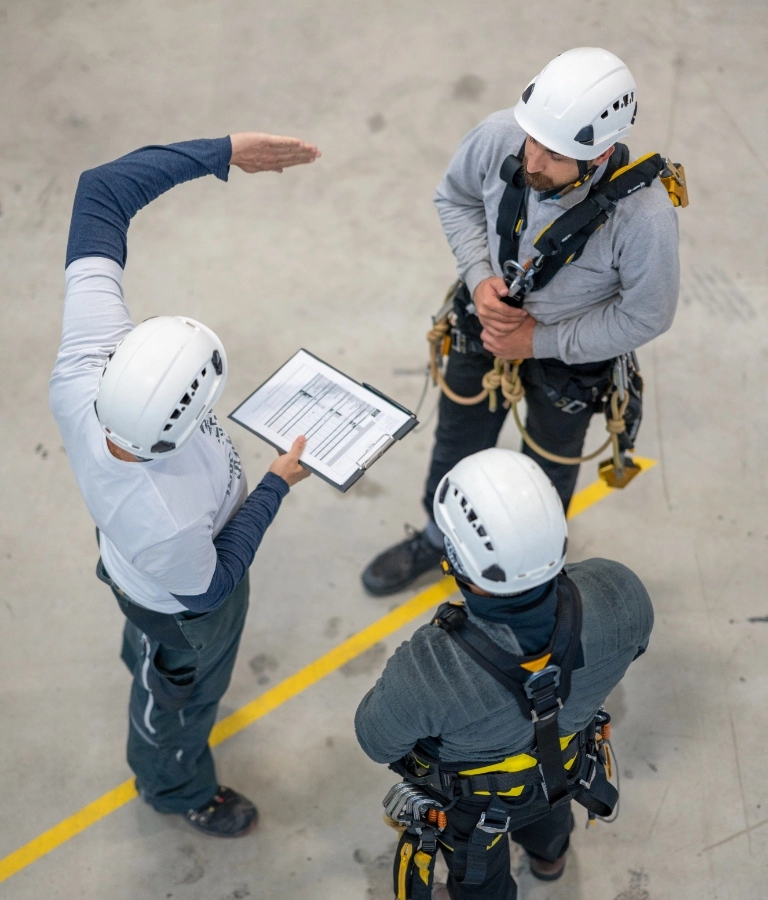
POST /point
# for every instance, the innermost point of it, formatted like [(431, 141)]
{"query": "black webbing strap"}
[(577, 233), (503, 782), (511, 206), (571, 231), (539, 694), (493, 825), (563, 241)]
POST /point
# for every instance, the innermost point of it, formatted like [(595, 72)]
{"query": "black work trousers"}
[(463, 430), (181, 665), (541, 832)]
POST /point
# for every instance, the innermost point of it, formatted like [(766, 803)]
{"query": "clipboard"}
[(348, 425)]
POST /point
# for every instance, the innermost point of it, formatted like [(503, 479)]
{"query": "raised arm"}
[(110, 195), (107, 197)]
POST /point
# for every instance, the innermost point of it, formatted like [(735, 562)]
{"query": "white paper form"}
[(347, 425)]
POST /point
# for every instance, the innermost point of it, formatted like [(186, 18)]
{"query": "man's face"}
[(545, 170)]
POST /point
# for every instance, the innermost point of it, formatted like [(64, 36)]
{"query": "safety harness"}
[(571, 767), (539, 683), (564, 239), (558, 245)]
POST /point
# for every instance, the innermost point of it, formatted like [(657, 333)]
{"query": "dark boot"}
[(226, 814), (545, 870), (396, 568)]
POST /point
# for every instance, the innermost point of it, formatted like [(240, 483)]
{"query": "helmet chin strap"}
[(585, 171)]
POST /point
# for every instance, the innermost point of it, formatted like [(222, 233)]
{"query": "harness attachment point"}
[(492, 829)]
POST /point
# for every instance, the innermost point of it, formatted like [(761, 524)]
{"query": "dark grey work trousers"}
[(181, 665), (463, 430), (541, 832)]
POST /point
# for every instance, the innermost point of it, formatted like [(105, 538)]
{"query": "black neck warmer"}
[(531, 615)]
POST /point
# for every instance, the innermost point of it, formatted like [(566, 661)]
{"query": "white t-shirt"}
[(157, 519)]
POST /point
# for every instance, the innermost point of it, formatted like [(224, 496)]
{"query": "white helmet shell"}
[(580, 104), (503, 521), (162, 378)]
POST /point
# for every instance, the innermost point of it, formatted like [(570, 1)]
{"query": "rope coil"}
[(505, 376)]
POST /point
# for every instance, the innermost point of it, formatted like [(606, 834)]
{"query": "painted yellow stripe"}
[(332, 660), (271, 699), (237, 721), (59, 834)]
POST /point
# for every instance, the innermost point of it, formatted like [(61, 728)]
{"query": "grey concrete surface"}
[(347, 258)]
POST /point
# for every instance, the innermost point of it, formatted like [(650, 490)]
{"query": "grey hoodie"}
[(431, 688), (619, 294)]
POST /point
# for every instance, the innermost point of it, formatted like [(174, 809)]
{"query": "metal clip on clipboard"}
[(379, 448)]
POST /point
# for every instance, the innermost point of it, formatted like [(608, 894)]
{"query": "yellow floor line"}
[(274, 697), (237, 721), (334, 659)]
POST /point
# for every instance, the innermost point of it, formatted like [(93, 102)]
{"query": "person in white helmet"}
[(161, 478), (617, 292), (492, 709)]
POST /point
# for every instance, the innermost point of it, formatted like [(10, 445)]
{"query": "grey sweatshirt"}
[(619, 294), (431, 688)]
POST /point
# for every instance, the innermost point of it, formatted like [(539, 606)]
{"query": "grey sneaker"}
[(226, 814), (396, 568)]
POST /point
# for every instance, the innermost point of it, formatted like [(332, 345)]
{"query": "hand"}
[(255, 152), (516, 345), (498, 318), (287, 465)]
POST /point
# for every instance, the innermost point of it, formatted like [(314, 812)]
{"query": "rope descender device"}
[(519, 280)]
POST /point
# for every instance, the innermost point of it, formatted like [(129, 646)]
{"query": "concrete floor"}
[(347, 258)]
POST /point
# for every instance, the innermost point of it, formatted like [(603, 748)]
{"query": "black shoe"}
[(226, 814), (396, 568), (547, 871)]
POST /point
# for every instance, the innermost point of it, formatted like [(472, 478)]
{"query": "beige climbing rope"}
[(505, 376)]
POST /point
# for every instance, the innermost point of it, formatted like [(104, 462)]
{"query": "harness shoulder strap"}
[(509, 223), (564, 239), (540, 683), (573, 229), (550, 265)]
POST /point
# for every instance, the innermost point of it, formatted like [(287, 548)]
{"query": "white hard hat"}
[(159, 383), (580, 104), (503, 521)]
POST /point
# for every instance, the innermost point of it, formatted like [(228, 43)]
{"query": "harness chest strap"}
[(564, 239)]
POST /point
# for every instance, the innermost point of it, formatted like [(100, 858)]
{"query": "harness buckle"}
[(570, 406), (541, 690), (492, 829), (602, 201), (532, 687), (591, 772), (450, 616), (458, 340)]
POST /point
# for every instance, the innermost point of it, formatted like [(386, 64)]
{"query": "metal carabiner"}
[(519, 281)]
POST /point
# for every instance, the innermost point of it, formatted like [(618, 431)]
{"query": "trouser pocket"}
[(170, 675)]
